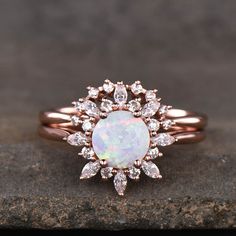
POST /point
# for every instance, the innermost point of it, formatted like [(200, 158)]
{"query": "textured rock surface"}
[(50, 52)]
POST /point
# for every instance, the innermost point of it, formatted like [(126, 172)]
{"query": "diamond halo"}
[(127, 147)]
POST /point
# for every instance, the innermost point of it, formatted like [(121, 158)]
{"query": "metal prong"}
[(147, 158), (137, 163), (153, 145), (137, 114), (120, 83), (103, 163), (107, 81), (114, 171), (160, 154), (103, 115)]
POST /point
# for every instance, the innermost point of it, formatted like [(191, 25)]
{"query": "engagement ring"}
[(121, 130)]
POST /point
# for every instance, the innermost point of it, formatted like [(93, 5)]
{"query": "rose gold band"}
[(189, 126)]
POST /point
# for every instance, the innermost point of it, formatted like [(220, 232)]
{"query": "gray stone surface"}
[(50, 51)]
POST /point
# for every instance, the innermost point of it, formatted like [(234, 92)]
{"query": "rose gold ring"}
[(121, 129)]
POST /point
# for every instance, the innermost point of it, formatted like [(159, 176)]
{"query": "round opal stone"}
[(121, 139)]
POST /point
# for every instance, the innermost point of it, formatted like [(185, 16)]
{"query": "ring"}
[(120, 129)]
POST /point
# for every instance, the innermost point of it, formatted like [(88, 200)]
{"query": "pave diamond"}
[(134, 172), (90, 169), (134, 105), (108, 86), (87, 153), (106, 172), (137, 88), (120, 94), (77, 139), (93, 92), (75, 120), (150, 95), (163, 139), (91, 108), (150, 108), (106, 106), (120, 182), (87, 125), (153, 125), (150, 169)]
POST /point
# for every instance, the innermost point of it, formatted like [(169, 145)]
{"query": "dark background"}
[(51, 50)]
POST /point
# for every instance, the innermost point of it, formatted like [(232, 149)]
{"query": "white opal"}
[(121, 139)]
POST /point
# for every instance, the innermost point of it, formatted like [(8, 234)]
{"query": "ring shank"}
[(56, 124)]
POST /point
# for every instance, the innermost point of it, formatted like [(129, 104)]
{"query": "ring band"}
[(189, 126), (121, 129)]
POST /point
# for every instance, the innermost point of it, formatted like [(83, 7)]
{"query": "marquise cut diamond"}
[(150, 108), (120, 182), (163, 139), (120, 94), (90, 169), (77, 139), (150, 169), (91, 108)]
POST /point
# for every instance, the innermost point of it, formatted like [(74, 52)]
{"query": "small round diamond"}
[(150, 95), (134, 105), (134, 172), (108, 87), (166, 124), (106, 172), (87, 125), (153, 153), (93, 92), (153, 125), (136, 88), (79, 106), (106, 106), (87, 153), (163, 109), (75, 120)]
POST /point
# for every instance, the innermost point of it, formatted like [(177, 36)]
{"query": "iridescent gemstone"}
[(121, 139)]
